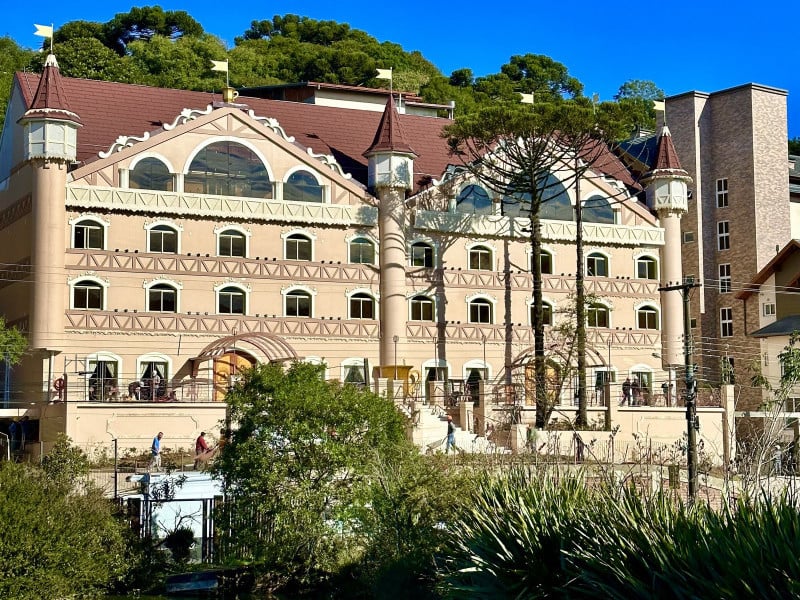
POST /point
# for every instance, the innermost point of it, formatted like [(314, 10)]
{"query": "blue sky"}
[(682, 45)]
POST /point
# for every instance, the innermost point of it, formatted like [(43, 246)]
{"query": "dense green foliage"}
[(56, 541), (12, 343), (534, 535)]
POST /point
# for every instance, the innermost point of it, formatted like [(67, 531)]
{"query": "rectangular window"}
[(722, 193), (726, 322), (769, 309), (723, 235), (725, 279), (688, 237)]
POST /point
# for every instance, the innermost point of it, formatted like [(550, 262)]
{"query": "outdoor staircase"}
[(430, 434)]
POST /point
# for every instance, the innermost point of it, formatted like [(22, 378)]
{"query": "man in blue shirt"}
[(155, 449)]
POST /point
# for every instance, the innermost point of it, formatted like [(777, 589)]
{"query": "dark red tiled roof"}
[(389, 137), (109, 110), (50, 100), (666, 156)]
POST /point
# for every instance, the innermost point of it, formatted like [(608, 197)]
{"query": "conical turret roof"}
[(666, 162), (50, 100), (390, 137)]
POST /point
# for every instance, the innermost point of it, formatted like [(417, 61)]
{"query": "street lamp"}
[(395, 339)]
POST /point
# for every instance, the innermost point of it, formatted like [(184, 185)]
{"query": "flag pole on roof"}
[(222, 65), (45, 31), (385, 74)]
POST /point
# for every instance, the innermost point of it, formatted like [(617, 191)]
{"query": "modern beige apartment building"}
[(156, 242)]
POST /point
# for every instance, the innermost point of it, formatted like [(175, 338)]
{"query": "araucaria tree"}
[(299, 449), (525, 153)]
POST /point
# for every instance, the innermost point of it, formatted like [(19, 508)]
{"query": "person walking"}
[(155, 450), (636, 392), (626, 392), (451, 435), (200, 449)]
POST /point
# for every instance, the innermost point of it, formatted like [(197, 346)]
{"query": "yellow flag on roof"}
[(219, 65), (384, 74), (43, 30)]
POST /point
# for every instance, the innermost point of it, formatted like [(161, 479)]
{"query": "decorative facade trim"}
[(122, 142), (186, 115), (16, 211)]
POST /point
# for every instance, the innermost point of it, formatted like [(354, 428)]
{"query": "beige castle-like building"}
[(156, 242)]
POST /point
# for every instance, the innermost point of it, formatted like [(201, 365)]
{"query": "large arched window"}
[(421, 255), (88, 294), (597, 210), (597, 315), (88, 234), (302, 186), (362, 306), (162, 238), (473, 199), (231, 242), (231, 300), (547, 313), (162, 297), (228, 169), (298, 304), (480, 311), (545, 262), (596, 265), (151, 174), (480, 258), (647, 317), (421, 308), (646, 267), (362, 251), (298, 247), (556, 204)]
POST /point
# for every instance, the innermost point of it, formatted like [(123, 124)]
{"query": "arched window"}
[(480, 258), (646, 267), (556, 204), (596, 265), (362, 251), (298, 247), (474, 200), (480, 311), (151, 174), (103, 370), (88, 235), (231, 301), (88, 294), (647, 317), (162, 238), (227, 169), (421, 255), (547, 313), (598, 210), (597, 315), (302, 186), (362, 306), (421, 308), (298, 304), (231, 243), (162, 297)]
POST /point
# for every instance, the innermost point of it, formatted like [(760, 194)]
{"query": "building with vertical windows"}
[(157, 242)]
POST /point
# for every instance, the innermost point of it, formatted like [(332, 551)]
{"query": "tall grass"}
[(539, 535)]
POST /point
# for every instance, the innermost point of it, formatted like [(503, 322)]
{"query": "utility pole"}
[(692, 424)]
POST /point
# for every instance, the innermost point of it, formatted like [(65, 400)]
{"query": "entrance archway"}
[(227, 369)]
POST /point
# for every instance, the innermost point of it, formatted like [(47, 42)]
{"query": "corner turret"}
[(391, 158)]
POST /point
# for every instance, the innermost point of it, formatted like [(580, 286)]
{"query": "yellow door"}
[(226, 370)]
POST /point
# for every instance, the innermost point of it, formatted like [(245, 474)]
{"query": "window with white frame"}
[(597, 315), (547, 313), (647, 317), (362, 251), (726, 322), (362, 306), (546, 262), (353, 371), (88, 295), (151, 174), (723, 235), (162, 238), (88, 235), (421, 308), (480, 258), (725, 278), (596, 265), (769, 309), (231, 242), (473, 199), (646, 267), (722, 192), (298, 247), (103, 378), (480, 311), (228, 168), (421, 255), (231, 300), (302, 186), (162, 297), (297, 304)]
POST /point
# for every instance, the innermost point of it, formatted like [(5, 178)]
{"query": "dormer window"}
[(151, 174), (302, 186), (228, 169)]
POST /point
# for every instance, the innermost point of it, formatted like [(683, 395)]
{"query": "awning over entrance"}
[(264, 347)]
